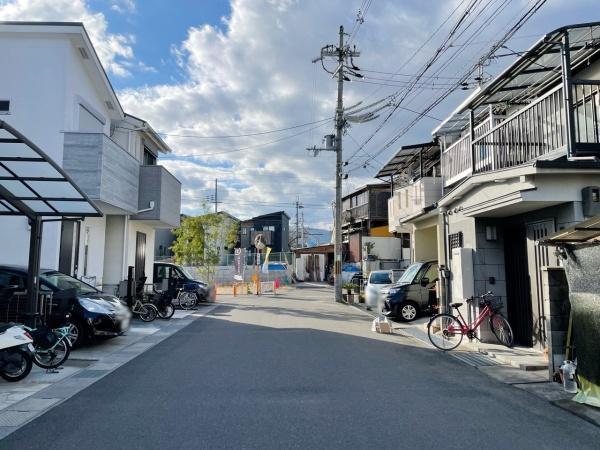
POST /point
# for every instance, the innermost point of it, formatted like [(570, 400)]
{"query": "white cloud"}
[(115, 50), (123, 6)]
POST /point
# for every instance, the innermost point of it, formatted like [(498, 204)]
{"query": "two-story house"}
[(520, 161), (416, 185), (274, 227), (365, 231), (54, 88)]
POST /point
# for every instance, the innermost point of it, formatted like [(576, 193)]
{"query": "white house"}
[(54, 90)]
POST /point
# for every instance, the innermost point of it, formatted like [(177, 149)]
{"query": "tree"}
[(201, 240)]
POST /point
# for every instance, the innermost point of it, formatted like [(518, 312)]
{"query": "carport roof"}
[(33, 185), (587, 232)]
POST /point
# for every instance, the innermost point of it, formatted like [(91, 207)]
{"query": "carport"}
[(34, 186)]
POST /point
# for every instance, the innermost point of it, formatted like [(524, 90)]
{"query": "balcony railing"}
[(538, 130), (356, 213)]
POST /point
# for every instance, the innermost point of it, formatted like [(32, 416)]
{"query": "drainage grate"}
[(16, 418), (90, 373), (475, 359)]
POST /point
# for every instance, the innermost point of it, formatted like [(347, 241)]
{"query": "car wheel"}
[(77, 333), (407, 311)]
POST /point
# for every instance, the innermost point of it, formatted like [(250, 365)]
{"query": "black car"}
[(92, 313), (178, 278), (413, 294)]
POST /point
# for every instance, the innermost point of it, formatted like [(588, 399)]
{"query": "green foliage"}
[(350, 286), (201, 240)]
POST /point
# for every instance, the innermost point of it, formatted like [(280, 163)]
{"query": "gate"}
[(537, 257)]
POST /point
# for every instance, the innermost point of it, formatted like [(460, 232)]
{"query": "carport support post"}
[(33, 269)]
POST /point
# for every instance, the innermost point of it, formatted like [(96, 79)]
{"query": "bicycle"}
[(446, 331), (146, 311), (51, 347), (163, 304), (186, 299)]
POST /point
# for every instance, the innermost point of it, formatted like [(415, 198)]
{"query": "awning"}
[(408, 156), (33, 185), (533, 73), (584, 232)]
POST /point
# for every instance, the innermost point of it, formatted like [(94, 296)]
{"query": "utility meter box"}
[(462, 274), (590, 199)]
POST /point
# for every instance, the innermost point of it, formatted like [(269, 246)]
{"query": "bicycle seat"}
[(456, 305)]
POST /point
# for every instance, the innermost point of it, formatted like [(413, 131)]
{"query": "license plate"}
[(31, 347)]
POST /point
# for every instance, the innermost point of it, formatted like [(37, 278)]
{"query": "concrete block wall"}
[(555, 291)]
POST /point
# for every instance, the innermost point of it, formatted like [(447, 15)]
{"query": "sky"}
[(202, 70)]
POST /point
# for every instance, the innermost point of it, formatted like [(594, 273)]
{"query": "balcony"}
[(538, 131), (159, 186), (355, 214), (106, 172), (412, 199)]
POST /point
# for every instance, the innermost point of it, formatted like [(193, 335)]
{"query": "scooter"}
[(16, 352)]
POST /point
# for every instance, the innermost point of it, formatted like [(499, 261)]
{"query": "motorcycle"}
[(16, 352)]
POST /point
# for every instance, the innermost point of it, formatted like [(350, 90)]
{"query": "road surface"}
[(298, 371)]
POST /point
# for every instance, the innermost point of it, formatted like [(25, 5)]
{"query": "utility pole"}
[(342, 53), (214, 198), (216, 195), (299, 206)]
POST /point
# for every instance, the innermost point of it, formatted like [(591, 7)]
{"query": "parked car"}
[(178, 278), (92, 313), (413, 294), (377, 280)]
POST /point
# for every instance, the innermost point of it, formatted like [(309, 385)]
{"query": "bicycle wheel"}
[(166, 312), (52, 358), (445, 332), (187, 300), (501, 329), (148, 312)]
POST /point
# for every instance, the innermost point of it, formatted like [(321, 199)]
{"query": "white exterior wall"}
[(133, 227), (93, 230), (32, 78), (45, 81)]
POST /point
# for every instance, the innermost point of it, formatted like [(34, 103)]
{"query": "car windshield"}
[(410, 273), (64, 282), (185, 273), (380, 278)]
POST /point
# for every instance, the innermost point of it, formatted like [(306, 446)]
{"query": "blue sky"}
[(158, 25)]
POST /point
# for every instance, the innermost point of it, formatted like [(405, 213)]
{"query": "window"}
[(149, 158), (380, 278), (9, 279), (431, 273), (269, 228), (4, 106)]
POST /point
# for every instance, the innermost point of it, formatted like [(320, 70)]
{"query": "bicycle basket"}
[(494, 301)]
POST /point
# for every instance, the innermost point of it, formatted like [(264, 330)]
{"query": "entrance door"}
[(518, 292), (140, 255), (538, 256), (68, 257)]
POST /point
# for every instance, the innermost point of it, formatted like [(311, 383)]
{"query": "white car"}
[(378, 279)]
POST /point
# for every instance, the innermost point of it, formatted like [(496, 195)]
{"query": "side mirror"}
[(424, 281)]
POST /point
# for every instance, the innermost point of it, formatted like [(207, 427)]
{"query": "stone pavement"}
[(23, 401)]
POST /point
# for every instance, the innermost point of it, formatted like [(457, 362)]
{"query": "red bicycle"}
[(446, 331)]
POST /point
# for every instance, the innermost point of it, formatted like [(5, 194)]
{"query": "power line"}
[(249, 147), (257, 133)]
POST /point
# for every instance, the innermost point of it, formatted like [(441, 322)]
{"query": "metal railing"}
[(586, 106), (531, 132)]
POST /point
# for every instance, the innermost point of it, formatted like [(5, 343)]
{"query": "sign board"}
[(239, 264), (267, 287)]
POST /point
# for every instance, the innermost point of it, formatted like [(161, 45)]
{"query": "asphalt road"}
[(299, 372)]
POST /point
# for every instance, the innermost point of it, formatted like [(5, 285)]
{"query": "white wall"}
[(425, 244), (113, 249), (93, 230), (43, 78), (385, 247), (133, 227)]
